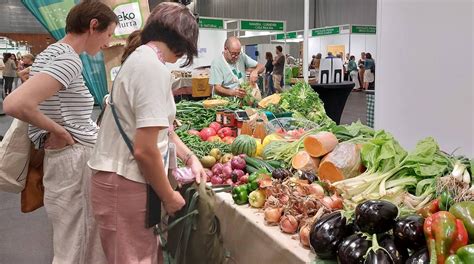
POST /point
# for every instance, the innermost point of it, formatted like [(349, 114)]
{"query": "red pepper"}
[(445, 235), (429, 209)]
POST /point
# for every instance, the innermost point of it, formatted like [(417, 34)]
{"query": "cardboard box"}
[(112, 61), (201, 87)]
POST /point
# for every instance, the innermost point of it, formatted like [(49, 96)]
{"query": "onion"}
[(304, 235), (216, 180), (273, 215), (209, 174), (244, 179), (316, 190), (227, 171), (284, 199), (289, 224), (237, 174), (217, 168), (334, 202), (237, 163)]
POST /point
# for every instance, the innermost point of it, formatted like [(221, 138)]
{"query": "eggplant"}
[(408, 231), (375, 216), (353, 249), (378, 257), (422, 256), (397, 252), (281, 174), (327, 233), (309, 176)]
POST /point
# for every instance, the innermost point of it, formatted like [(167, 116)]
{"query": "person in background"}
[(369, 74), (317, 61), (228, 71), (353, 72), (2, 66), (330, 55), (290, 60), (145, 105), (268, 73), (361, 63), (279, 66), (58, 107), (133, 42), (9, 72), (311, 64), (17, 61), (27, 62)]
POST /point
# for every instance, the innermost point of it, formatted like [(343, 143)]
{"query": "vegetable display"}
[(348, 192)]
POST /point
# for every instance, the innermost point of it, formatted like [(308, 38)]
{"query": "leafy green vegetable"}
[(353, 132), (199, 147), (304, 102), (391, 171)]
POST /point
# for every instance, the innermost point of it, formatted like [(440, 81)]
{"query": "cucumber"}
[(275, 163), (250, 169)]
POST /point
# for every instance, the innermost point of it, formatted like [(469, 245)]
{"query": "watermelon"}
[(244, 144)]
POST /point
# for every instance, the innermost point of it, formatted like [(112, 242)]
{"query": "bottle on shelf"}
[(260, 131), (246, 129)]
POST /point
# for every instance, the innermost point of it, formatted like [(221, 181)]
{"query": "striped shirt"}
[(72, 105)]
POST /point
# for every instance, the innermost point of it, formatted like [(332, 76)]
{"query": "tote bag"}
[(14, 157)]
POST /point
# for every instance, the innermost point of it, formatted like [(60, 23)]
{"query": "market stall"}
[(306, 189)]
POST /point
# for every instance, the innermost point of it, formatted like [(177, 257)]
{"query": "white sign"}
[(113, 72), (130, 18)]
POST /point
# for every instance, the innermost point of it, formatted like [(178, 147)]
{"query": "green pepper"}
[(446, 201), (252, 185), (465, 212), (429, 209), (445, 235), (464, 255), (240, 194)]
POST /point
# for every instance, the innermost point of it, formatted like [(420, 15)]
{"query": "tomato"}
[(216, 126), (225, 132), (206, 133)]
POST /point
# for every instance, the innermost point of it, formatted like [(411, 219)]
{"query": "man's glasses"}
[(233, 54)]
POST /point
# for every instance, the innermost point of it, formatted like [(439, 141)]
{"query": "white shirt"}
[(142, 97)]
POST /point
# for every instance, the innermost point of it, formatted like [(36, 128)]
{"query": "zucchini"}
[(252, 162), (275, 163)]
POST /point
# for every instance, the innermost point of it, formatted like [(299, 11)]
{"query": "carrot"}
[(342, 163), (303, 161), (320, 144)]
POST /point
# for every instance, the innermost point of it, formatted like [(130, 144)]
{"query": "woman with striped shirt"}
[(58, 107)]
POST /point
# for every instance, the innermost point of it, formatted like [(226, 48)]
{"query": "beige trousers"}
[(67, 202), (277, 82)]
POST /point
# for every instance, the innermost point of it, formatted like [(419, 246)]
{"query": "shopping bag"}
[(14, 157), (33, 193)]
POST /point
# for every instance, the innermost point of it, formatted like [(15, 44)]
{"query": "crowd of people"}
[(14, 70)]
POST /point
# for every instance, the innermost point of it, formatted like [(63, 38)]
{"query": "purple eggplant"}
[(327, 233), (398, 253), (353, 249), (375, 216), (408, 231), (422, 256)]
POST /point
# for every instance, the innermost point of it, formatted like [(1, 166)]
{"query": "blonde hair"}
[(29, 56)]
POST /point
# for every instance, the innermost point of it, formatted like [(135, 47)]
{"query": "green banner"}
[(325, 31), (364, 29), (289, 35), (261, 25), (211, 23)]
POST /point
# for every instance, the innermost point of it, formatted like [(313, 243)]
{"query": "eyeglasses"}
[(233, 54)]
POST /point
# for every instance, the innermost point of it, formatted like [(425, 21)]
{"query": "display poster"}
[(132, 15)]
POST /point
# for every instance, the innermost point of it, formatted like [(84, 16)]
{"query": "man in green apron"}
[(228, 71)]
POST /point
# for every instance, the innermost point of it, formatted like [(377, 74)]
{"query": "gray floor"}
[(27, 238)]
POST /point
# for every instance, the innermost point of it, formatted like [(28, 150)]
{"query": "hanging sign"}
[(325, 31), (261, 25), (363, 29), (130, 18), (211, 23), (289, 35)]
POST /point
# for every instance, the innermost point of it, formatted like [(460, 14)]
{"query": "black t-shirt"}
[(269, 66)]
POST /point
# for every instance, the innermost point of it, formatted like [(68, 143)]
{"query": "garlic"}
[(466, 178)]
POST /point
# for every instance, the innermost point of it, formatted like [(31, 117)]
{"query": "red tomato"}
[(216, 126), (206, 133), (225, 132)]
